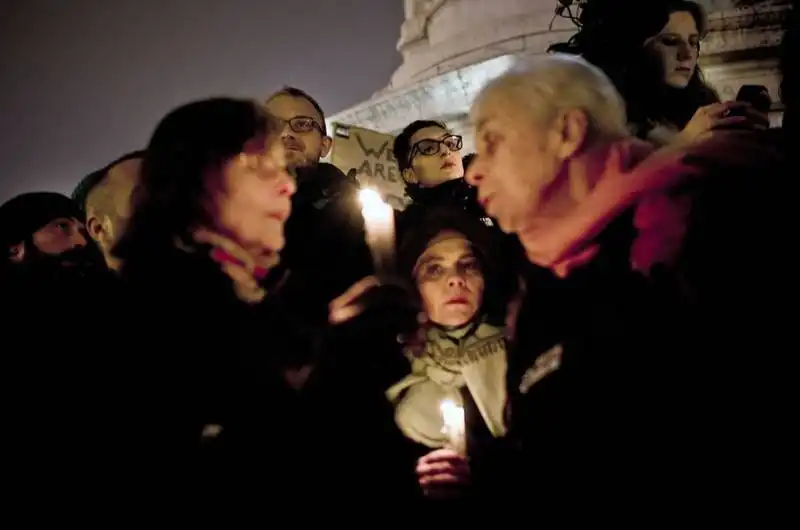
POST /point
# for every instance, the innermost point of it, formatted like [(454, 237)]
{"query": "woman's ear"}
[(409, 176)]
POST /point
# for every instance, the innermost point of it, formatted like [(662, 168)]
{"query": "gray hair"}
[(552, 84)]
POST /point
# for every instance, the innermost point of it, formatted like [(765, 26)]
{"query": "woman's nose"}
[(685, 51), (456, 280), (287, 185)]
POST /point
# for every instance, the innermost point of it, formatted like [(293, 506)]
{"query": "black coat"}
[(325, 253), (586, 387), (223, 425)]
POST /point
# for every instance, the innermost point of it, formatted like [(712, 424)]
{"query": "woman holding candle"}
[(455, 365)]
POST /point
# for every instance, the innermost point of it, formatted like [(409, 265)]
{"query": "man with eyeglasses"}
[(325, 251), (304, 135)]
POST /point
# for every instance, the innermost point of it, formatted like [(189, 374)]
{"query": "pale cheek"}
[(427, 292), (430, 168), (476, 285)]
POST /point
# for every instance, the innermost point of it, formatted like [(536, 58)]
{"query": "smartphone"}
[(757, 95)]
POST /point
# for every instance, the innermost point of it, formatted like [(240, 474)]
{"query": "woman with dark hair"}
[(462, 291), (211, 171), (225, 415), (428, 155), (653, 63), (206, 227)]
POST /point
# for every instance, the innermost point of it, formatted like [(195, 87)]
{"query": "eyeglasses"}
[(259, 164), (430, 147), (304, 124)]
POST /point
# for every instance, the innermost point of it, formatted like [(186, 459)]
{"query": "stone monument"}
[(451, 48)]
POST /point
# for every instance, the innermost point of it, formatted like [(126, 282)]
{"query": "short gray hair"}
[(555, 83)]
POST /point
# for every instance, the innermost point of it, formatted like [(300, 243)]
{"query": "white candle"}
[(379, 228), (454, 427)]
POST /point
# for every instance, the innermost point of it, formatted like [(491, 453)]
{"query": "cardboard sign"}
[(370, 154)]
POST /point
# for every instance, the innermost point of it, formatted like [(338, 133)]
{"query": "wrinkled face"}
[(677, 47), (252, 198), (516, 161), (302, 136), (450, 280), (63, 241), (435, 157)]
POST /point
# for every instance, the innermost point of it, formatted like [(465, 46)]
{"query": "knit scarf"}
[(473, 357)]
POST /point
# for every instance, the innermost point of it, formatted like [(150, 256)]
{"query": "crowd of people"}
[(599, 288)]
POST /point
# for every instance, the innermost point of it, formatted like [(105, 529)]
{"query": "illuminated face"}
[(253, 198), (435, 157), (515, 162), (677, 47), (449, 280), (302, 136)]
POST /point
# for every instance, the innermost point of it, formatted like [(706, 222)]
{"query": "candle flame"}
[(370, 198), (452, 414)]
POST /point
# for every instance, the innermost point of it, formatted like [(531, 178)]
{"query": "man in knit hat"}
[(44, 231), (58, 301)]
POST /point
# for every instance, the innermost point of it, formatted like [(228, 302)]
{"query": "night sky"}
[(85, 81)]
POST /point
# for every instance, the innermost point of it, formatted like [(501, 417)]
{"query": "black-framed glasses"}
[(430, 146), (304, 124)]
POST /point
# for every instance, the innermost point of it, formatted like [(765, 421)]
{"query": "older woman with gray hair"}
[(598, 383)]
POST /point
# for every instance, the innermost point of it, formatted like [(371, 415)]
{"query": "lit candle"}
[(454, 428), (379, 227)]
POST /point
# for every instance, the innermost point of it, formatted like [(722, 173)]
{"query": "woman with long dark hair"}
[(206, 227), (455, 276), (650, 51), (226, 417), (212, 172)]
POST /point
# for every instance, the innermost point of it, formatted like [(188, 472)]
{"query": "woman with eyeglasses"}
[(429, 157), (211, 411)]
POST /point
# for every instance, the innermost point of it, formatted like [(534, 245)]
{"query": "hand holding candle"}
[(379, 227), (454, 427)]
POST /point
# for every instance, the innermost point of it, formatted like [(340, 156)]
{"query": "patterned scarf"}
[(240, 266), (473, 357)]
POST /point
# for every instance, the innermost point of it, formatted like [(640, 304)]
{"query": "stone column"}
[(742, 46)]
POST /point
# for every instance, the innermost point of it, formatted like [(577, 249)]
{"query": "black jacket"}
[(201, 358), (455, 193), (325, 253)]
